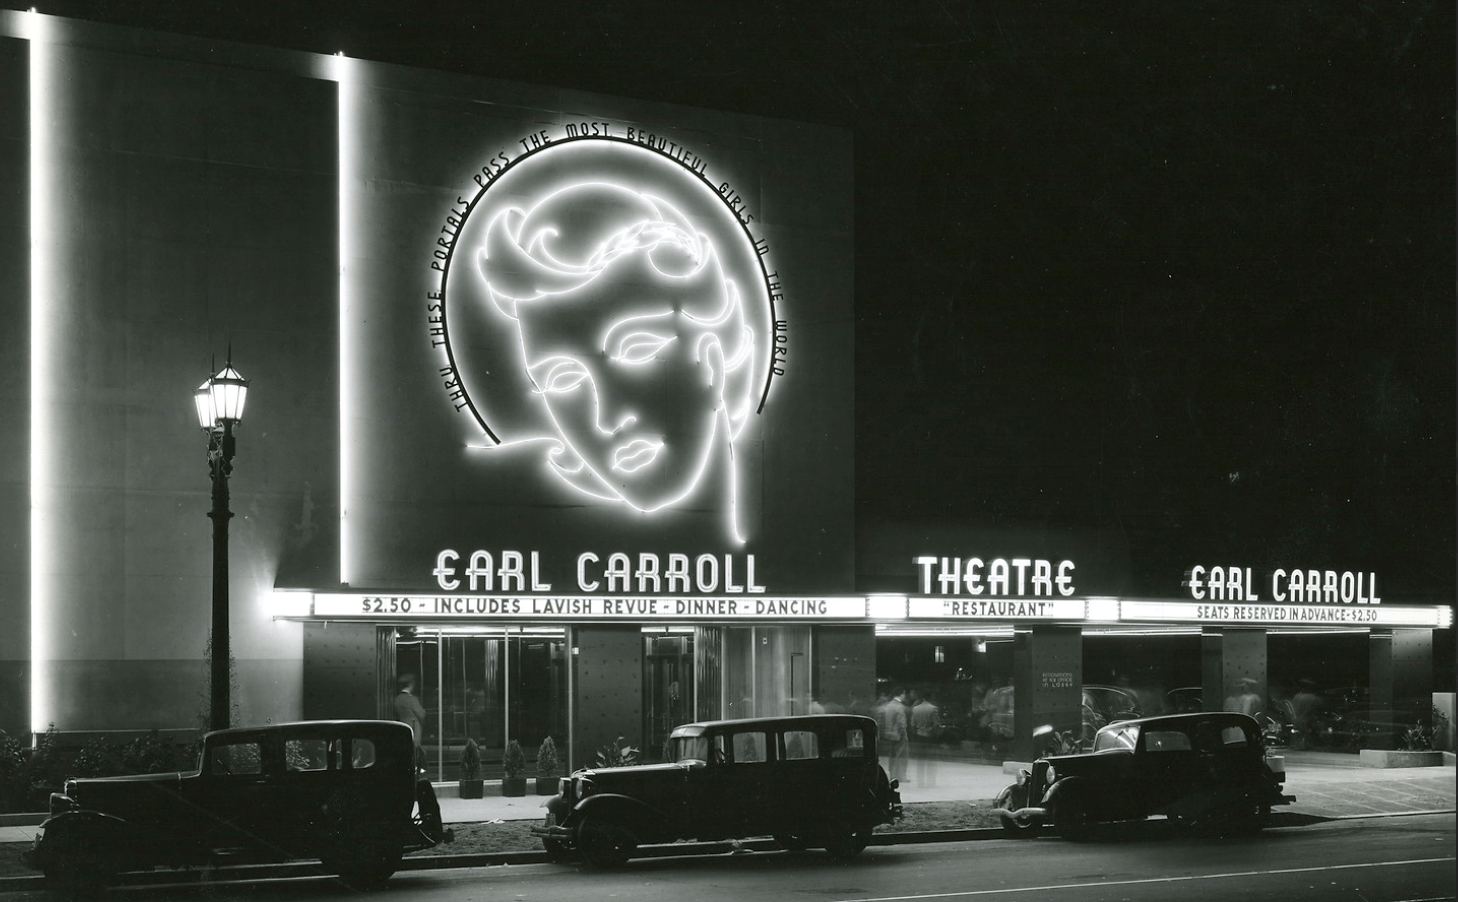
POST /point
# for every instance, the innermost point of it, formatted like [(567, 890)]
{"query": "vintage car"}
[(1204, 770), (808, 781), (346, 792), (1100, 705)]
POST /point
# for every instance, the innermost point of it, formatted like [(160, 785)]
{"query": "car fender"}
[(1065, 786), (645, 820), (92, 831)]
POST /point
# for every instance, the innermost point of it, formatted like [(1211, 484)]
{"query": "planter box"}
[(473, 789), (1398, 758), (547, 786), (513, 786)]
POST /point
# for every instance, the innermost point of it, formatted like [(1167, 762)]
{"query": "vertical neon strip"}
[(348, 138), (43, 286)]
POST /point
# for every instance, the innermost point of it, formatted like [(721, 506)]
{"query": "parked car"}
[(808, 781), (1101, 705), (347, 792), (1347, 719), (1277, 722), (1198, 769)]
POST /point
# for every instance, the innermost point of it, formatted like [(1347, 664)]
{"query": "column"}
[(607, 689), (1400, 679), (1047, 685), (1233, 665), (845, 668)]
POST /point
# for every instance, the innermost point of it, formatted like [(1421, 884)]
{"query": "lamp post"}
[(219, 403)]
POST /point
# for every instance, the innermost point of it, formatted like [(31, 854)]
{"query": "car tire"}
[(605, 844), (365, 867), (80, 873), (847, 844), (792, 842), (1072, 816), (1246, 820), (1015, 829)]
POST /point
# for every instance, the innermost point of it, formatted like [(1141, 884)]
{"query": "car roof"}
[(1176, 721), (802, 721)]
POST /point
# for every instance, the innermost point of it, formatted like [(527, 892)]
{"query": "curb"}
[(311, 869)]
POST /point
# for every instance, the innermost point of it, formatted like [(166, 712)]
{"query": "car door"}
[(234, 793), (1170, 768)]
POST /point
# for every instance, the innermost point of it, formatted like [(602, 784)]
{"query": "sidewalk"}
[(1325, 785)]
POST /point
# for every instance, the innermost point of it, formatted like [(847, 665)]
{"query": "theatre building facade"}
[(551, 412)]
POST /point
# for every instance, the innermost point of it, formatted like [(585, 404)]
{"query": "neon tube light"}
[(344, 71), (43, 285)]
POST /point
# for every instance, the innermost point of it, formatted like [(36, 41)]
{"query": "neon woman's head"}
[(631, 335)]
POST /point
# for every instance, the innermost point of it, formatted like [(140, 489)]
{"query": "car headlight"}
[(1052, 775)]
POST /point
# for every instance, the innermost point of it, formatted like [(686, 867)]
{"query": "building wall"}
[(193, 208), (14, 389)]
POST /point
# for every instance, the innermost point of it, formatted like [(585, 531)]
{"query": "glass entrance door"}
[(491, 685)]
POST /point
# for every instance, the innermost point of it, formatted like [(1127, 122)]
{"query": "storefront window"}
[(488, 685)]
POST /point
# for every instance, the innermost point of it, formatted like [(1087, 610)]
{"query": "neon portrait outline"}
[(640, 357)]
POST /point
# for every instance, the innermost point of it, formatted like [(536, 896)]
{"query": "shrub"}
[(99, 758), (547, 758), (514, 761), (1420, 736), (617, 754), (471, 761), (13, 788), (148, 754)]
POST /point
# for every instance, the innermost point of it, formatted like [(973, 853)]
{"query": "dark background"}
[(1179, 273)]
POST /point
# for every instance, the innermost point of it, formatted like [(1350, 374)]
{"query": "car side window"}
[(801, 745), (850, 744), (1166, 741), (1233, 738), (306, 754), (361, 754), (236, 759), (749, 748)]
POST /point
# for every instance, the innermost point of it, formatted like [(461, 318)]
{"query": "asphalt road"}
[(1392, 859)]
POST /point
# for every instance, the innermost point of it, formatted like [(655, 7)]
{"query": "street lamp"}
[(219, 403)]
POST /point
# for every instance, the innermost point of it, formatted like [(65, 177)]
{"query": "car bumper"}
[(1023, 817)]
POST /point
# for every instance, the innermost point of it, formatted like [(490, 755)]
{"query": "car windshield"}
[(691, 750), (1116, 738)]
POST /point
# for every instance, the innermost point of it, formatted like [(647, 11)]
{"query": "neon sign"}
[(588, 607), (1292, 586), (605, 308), (998, 577)]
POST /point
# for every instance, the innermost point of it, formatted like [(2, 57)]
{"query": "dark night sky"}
[(1182, 273)]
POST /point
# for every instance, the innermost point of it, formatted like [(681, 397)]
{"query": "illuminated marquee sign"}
[(512, 571), (603, 306), (942, 608), (1017, 578), (1287, 614), (588, 607), (1282, 586)]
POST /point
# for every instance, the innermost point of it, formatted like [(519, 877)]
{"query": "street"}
[(1391, 859)]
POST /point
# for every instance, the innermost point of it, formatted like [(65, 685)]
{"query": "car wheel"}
[(1072, 817), (605, 844), (1246, 819), (848, 844), (792, 841), (366, 866), (1016, 829), (80, 873)]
